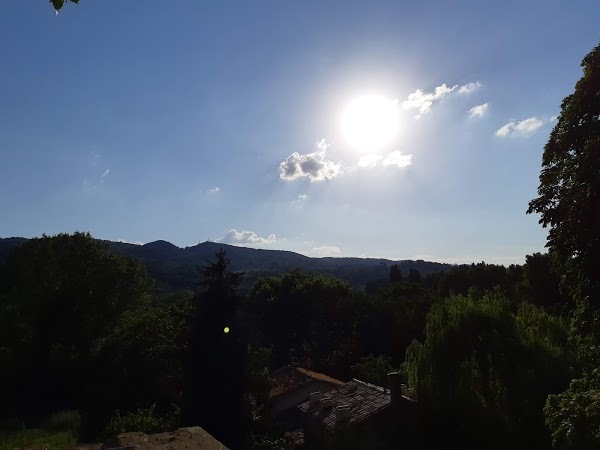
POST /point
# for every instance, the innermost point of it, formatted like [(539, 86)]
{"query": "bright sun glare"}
[(370, 122)]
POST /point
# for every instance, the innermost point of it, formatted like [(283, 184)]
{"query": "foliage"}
[(395, 274), (38, 439), (573, 416), (59, 297), (488, 370), (569, 194), (374, 369), (216, 364), (58, 4), (145, 420), (569, 204), (310, 313), (64, 421)]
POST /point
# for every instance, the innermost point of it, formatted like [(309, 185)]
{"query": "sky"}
[(388, 129)]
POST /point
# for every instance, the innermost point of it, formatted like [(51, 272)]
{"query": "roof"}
[(364, 400), (288, 378)]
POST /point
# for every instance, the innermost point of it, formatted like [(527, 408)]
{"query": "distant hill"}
[(174, 268)]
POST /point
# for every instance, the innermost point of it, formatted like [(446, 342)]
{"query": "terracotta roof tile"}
[(363, 399)]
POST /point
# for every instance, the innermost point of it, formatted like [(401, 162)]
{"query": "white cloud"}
[(215, 189), (236, 237), (129, 242), (469, 88), (397, 159), (314, 166), (422, 101), (106, 172), (524, 127), (299, 202), (553, 118), (478, 111), (326, 250), (368, 161)]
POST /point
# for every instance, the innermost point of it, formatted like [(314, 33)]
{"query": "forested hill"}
[(175, 268)]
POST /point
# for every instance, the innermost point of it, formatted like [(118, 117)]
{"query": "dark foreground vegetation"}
[(499, 357)]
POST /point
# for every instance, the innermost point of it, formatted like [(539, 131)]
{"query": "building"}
[(361, 415), (293, 386)]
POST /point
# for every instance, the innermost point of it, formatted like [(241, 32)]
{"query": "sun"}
[(370, 122)]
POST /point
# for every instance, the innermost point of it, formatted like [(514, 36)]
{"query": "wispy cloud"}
[(524, 127), (368, 161), (422, 101), (478, 111), (215, 189), (245, 237), (299, 201), (469, 88), (129, 242), (314, 165), (397, 159), (326, 250), (106, 172)]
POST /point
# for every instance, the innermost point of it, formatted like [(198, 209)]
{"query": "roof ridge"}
[(372, 386)]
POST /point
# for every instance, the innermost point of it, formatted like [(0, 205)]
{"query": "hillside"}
[(174, 268)]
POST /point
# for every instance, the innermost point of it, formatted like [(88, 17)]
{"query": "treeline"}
[(81, 330)]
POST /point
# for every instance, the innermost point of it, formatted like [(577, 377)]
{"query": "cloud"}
[(553, 118), (129, 242), (95, 158), (326, 250), (397, 159), (368, 161), (524, 127), (469, 88), (299, 202), (215, 189), (314, 166), (422, 101), (106, 172), (236, 237), (478, 111)]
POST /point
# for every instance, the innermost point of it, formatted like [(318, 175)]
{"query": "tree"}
[(60, 296), (483, 373), (569, 194), (414, 276), (569, 204), (216, 365), (58, 4), (395, 274)]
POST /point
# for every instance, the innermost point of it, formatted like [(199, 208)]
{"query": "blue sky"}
[(222, 120)]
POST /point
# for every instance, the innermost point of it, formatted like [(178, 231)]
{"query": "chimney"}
[(315, 398), (325, 402), (342, 414), (293, 358), (397, 388)]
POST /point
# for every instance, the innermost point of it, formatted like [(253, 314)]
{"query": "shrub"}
[(64, 421), (145, 420)]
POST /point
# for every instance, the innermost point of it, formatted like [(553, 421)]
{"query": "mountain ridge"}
[(175, 267)]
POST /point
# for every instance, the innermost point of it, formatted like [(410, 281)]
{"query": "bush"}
[(64, 421), (145, 420)]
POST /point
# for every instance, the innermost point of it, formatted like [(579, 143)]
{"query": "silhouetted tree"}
[(214, 387), (61, 296), (569, 204), (569, 194), (395, 274), (58, 4), (414, 276)]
